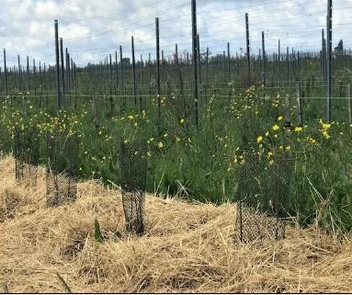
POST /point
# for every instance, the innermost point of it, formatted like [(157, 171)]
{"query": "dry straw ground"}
[(186, 248)]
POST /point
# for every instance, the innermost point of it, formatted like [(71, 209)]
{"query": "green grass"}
[(209, 163)]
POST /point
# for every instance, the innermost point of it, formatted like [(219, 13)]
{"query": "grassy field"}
[(241, 130)]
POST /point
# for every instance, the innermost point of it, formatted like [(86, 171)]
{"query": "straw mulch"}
[(187, 247)]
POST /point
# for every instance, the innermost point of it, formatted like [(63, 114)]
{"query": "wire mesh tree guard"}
[(133, 164), (262, 197), (26, 152), (62, 168)]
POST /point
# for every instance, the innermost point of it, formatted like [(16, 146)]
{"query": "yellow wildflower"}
[(298, 129), (324, 125), (276, 127), (326, 134)]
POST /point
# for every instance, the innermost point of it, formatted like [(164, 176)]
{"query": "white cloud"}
[(47, 8), (19, 11), (92, 29), (75, 31)]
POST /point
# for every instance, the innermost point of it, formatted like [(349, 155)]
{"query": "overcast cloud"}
[(92, 29)]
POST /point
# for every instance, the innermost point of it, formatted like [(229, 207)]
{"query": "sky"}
[(93, 29)]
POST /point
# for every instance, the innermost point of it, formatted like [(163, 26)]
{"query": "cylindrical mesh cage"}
[(26, 154), (133, 164), (62, 168), (262, 197)]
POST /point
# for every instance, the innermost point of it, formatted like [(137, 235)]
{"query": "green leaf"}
[(97, 232)]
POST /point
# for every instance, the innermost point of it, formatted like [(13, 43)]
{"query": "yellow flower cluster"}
[(324, 129), (311, 140)]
